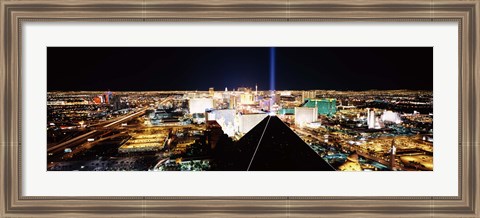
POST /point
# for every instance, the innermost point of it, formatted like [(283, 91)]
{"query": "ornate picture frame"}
[(13, 13)]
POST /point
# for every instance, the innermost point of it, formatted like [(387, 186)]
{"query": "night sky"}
[(198, 68)]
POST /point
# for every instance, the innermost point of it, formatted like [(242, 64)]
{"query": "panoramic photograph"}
[(239, 109)]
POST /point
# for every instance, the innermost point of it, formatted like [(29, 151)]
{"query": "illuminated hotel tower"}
[(393, 151), (211, 92), (370, 118), (368, 115), (256, 93)]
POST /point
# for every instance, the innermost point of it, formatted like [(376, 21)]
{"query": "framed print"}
[(234, 108)]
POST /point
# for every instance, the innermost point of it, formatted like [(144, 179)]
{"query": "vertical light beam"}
[(272, 69)]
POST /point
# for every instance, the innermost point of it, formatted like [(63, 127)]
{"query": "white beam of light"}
[(272, 69)]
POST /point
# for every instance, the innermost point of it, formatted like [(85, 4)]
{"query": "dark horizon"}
[(193, 90), (198, 68)]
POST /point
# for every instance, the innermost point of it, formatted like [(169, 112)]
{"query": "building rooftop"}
[(273, 146), (144, 142)]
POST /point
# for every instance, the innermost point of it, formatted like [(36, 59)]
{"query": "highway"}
[(61, 146), (83, 137), (97, 128), (136, 114), (88, 145), (106, 123)]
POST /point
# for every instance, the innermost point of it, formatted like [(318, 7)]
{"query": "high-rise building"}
[(211, 92), (233, 102), (305, 115), (288, 111), (97, 99), (276, 98), (373, 122), (199, 105), (108, 97), (370, 118), (247, 121), (246, 98), (308, 95), (393, 153), (116, 102), (326, 106)]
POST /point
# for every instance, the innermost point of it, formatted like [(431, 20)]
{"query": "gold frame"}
[(14, 12)]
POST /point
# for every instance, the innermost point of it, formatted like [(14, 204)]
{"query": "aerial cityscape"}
[(239, 109)]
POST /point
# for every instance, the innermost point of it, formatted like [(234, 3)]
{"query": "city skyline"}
[(198, 68), (286, 109)]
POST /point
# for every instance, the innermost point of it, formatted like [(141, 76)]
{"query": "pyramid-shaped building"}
[(272, 146)]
